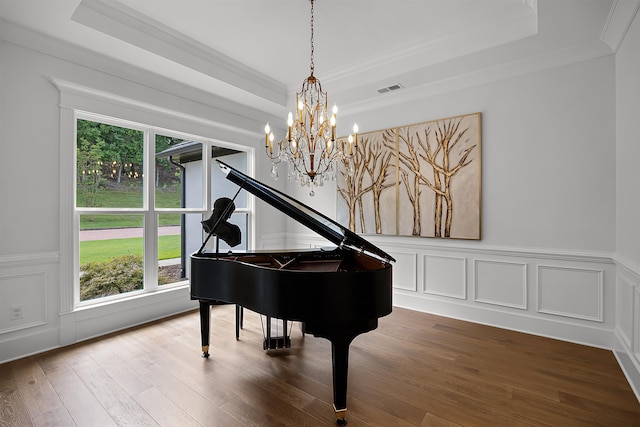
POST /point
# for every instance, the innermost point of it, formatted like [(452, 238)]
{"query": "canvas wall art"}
[(416, 180)]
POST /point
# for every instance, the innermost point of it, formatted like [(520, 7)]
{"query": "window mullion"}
[(206, 178), (150, 217)]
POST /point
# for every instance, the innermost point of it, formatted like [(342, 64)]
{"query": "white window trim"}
[(75, 101)]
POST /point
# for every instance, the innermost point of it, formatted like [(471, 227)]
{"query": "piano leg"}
[(205, 319), (340, 359), (266, 344), (239, 320), (340, 337)]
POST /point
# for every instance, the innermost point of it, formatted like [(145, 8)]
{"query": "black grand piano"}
[(336, 293)]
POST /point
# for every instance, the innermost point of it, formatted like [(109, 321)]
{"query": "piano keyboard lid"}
[(309, 217)]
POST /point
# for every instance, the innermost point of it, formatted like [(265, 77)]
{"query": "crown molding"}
[(450, 82), (56, 48), (425, 53), (126, 24), (620, 17)]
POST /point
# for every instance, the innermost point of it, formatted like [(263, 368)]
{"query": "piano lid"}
[(307, 216)]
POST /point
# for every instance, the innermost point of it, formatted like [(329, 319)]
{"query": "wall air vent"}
[(390, 88)]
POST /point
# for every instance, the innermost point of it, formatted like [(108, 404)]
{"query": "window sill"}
[(105, 317)]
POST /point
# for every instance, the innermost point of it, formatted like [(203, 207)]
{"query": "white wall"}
[(548, 156), (628, 204)]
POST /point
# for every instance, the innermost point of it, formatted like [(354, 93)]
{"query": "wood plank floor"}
[(416, 369)]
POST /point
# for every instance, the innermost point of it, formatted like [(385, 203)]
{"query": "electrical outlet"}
[(17, 312)]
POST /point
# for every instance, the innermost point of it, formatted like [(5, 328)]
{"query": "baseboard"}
[(629, 365), (519, 322), (94, 321), (24, 345)]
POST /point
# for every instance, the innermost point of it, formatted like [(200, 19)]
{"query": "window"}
[(140, 196)]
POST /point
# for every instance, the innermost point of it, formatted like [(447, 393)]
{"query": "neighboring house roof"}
[(191, 151)]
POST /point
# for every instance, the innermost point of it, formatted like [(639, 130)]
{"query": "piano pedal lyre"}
[(271, 342)]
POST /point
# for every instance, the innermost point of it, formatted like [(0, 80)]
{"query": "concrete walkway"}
[(124, 233)]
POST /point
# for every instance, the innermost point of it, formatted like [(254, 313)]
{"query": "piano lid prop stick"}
[(222, 217)]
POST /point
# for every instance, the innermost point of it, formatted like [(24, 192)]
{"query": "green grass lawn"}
[(99, 222), (128, 199), (104, 250)]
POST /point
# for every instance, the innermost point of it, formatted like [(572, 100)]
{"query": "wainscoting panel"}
[(445, 276), (31, 320), (23, 301), (627, 327), (563, 295), (625, 298), (501, 283), (636, 323), (559, 286), (405, 271), (29, 303)]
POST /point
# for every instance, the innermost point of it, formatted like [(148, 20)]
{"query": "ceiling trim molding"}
[(424, 53), (56, 48), (126, 24), (620, 17), (73, 91), (452, 83)]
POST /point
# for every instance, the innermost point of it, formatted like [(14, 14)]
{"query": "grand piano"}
[(337, 293)]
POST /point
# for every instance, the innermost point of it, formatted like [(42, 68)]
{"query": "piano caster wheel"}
[(341, 422), (205, 351), (205, 355), (341, 416)]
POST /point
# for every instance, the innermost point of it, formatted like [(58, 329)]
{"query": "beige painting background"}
[(416, 180)]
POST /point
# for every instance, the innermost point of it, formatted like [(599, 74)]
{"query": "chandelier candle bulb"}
[(289, 125), (300, 110), (355, 134), (267, 129), (333, 125)]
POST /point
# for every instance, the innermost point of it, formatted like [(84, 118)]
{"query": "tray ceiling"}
[(258, 52)]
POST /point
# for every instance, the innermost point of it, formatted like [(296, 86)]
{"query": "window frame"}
[(78, 102)]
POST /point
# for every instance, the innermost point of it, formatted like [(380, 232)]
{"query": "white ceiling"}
[(258, 51)]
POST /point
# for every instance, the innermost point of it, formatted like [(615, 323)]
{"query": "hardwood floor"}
[(416, 369)]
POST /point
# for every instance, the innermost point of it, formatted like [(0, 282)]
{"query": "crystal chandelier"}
[(310, 147)]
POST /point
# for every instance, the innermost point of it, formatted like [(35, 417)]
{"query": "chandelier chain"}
[(310, 147), (312, 64)]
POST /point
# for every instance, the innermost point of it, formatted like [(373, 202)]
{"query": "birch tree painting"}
[(366, 188), (429, 173)]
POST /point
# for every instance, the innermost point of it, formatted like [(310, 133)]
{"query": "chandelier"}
[(310, 147)]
